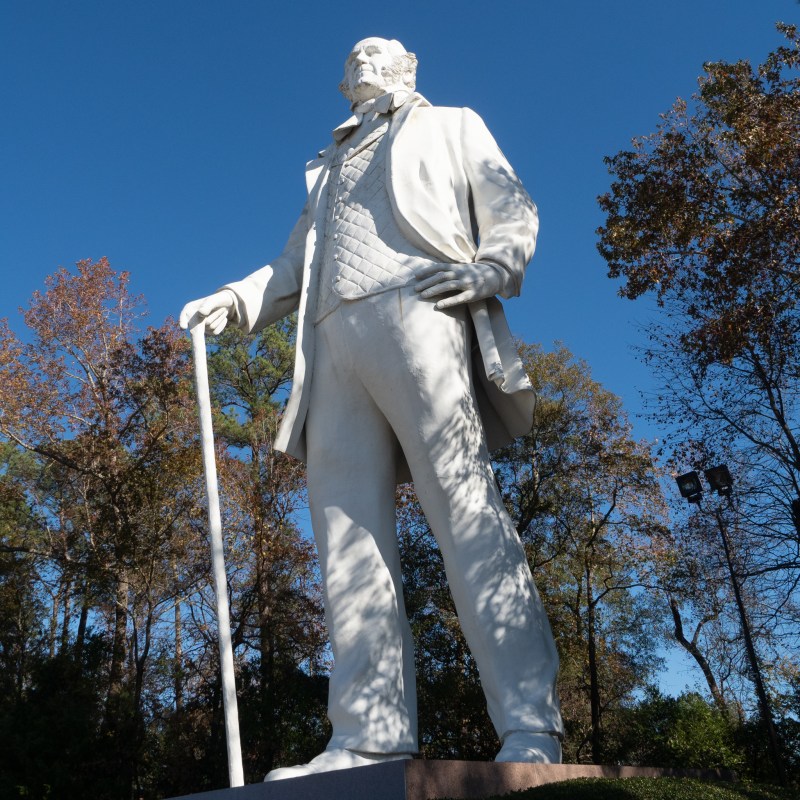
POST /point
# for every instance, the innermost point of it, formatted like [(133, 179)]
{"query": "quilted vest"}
[(365, 252)]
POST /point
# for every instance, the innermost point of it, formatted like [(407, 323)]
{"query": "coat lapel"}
[(315, 174)]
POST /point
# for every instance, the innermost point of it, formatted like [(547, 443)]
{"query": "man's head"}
[(376, 66)]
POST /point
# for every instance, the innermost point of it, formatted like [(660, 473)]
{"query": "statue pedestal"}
[(428, 780)]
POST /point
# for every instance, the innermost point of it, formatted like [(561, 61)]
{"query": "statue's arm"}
[(267, 295), (505, 220), (506, 217)]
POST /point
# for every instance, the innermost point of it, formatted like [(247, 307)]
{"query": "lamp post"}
[(720, 481)]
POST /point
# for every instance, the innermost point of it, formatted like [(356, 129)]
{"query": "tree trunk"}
[(137, 724), (116, 724), (66, 610), (51, 634), (691, 647), (594, 682), (114, 711), (177, 664), (266, 650), (80, 636)]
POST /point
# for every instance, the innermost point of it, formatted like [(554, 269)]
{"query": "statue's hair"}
[(403, 69)]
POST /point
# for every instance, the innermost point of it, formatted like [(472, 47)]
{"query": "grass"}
[(650, 789)]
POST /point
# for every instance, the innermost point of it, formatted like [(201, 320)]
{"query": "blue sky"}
[(171, 136)]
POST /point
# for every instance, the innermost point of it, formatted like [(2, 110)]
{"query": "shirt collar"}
[(385, 104)]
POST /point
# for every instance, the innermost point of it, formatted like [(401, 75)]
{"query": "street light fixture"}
[(719, 478), (796, 513), (690, 487)]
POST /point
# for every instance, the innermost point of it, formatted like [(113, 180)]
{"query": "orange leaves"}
[(13, 381), (82, 378)]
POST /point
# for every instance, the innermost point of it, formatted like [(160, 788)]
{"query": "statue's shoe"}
[(530, 748), (332, 759)]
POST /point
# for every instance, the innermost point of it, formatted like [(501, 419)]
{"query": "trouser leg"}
[(500, 611), (351, 484), (432, 410)]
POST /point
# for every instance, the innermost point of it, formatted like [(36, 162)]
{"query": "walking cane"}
[(235, 771)]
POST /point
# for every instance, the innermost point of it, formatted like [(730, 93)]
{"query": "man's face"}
[(367, 69)]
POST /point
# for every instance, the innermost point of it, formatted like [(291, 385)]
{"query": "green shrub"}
[(650, 789), (685, 731)]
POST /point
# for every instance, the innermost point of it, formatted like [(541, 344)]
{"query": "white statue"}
[(414, 223)]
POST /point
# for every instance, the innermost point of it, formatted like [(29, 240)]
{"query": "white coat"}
[(456, 197)]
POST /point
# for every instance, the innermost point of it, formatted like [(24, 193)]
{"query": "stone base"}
[(430, 780)]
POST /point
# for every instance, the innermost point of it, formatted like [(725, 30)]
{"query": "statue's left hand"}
[(470, 282)]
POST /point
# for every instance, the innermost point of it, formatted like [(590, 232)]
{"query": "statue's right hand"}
[(214, 310)]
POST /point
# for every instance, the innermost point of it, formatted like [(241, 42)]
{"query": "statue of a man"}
[(414, 223)]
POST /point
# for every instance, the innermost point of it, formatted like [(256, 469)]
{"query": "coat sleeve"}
[(273, 292), (505, 216)]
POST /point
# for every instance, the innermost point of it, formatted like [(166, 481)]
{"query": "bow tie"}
[(385, 104)]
